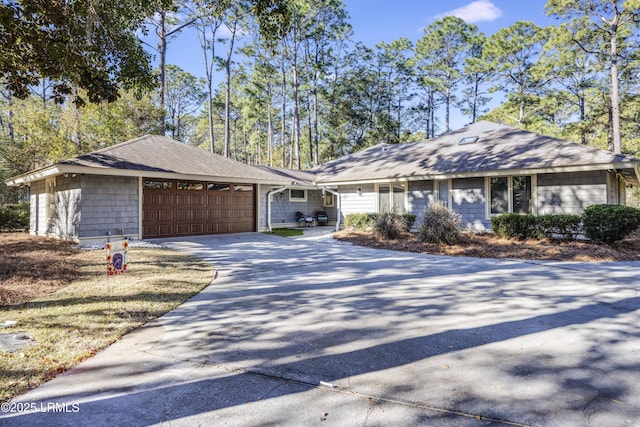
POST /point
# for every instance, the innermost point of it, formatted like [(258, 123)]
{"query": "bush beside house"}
[(14, 217), (610, 223)]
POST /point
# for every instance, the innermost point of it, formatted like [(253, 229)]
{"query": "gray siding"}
[(283, 210), (68, 201), (571, 192), (109, 204), (421, 193), (352, 202), (469, 200), (38, 208)]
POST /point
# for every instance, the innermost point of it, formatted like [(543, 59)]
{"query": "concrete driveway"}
[(309, 332)]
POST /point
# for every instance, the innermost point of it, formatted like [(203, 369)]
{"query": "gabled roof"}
[(158, 156), (497, 150)]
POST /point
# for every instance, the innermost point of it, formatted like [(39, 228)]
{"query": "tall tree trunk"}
[(615, 95), (447, 107), (296, 106), (583, 116), (227, 97), (316, 137), (521, 112), (284, 111), (269, 128), (474, 102), (162, 50)]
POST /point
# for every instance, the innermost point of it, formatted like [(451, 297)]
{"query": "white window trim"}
[(298, 199), (487, 190), (404, 185), (436, 190), (333, 197)]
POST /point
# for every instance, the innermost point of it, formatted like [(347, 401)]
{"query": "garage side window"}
[(191, 186), (216, 186), (159, 185)]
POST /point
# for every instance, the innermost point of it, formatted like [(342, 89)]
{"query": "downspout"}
[(337, 194), (269, 198)]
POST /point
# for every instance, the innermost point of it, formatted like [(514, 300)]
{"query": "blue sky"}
[(374, 21)]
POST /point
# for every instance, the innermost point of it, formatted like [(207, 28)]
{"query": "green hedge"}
[(566, 226), (14, 217), (610, 223), (367, 221), (516, 226)]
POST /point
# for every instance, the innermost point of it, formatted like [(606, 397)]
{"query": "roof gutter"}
[(59, 169), (269, 198)]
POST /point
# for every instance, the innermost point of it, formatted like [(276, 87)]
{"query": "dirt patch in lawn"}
[(31, 267), (487, 245), (60, 297)]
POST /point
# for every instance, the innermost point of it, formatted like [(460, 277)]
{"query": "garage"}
[(187, 208)]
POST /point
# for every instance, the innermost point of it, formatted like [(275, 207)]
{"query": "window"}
[(443, 191), (327, 199), (237, 187), (499, 195), (511, 194), (162, 185), (216, 186), (296, 195), (521, 194), (194, 186), (391, 198)]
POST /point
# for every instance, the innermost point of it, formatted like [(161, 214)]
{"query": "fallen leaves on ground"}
[(486, 245)]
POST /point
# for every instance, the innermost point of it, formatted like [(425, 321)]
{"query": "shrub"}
[(409, 220), (565, 225), (14, 217), (389, 226), (516, 226), (609, 223), (440, 225), (366, 221)]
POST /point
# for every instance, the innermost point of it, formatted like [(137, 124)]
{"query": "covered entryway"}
[(187, 208)]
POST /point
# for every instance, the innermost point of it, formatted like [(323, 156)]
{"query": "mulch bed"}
[(34, 266), (486, 245)]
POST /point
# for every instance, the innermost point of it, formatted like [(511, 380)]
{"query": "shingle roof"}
[(292, 176), (154, 153), (498, 148)]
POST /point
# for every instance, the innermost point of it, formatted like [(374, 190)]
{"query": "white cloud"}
[(477, 11)]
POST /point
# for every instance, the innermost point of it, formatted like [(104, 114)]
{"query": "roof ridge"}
[(118, 145)]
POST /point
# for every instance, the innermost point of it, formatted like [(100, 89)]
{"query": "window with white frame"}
[(510, 194), (442, 189), (327, 199), (297, 195), (392, 198)]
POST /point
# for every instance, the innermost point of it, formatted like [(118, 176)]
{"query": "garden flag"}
[(117, 257)]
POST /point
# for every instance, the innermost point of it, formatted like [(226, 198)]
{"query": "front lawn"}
[(61, 297)]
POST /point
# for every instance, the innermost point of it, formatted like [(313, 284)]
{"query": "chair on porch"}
[(322, 218), (304, 220)]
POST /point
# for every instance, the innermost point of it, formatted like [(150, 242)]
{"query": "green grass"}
[(286, 232), (82, 318)]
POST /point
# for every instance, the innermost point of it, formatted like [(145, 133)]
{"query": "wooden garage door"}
[(187, 208)]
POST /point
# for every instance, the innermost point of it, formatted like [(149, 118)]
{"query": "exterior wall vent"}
[(468, 140)]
